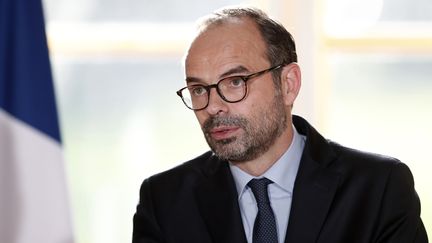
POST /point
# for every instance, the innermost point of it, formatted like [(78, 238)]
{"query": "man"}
[(270, 176)]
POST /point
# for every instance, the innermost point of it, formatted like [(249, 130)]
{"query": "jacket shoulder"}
[(356, 157), (360, 165), (184, 176), (197, 166)]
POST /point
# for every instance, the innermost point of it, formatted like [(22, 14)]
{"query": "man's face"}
[(241, 131)]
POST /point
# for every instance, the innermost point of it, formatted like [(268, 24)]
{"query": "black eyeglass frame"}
[(216, 86)]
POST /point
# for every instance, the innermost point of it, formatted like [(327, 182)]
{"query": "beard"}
[(260, 131)]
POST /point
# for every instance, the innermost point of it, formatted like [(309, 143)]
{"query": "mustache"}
[(216, 121)]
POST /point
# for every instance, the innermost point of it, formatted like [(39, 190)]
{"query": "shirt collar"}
[(282, 173)]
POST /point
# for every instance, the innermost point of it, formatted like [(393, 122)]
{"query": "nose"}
[(216, 104)]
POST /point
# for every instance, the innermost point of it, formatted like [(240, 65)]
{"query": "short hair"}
[(279, 42)]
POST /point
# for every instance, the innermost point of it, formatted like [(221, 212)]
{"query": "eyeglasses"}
[(231, 89)]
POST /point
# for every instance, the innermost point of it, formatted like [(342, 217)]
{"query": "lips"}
[(223, 132)]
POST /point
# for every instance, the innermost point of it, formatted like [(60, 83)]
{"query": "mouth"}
[(223, 132)]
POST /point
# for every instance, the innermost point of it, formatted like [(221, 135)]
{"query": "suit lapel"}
[(313, 193), (314, 189), (218, 204)]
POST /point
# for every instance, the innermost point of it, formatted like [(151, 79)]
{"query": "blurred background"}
[(367, 68)]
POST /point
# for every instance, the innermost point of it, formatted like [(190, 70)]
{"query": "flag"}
[(34, 205)]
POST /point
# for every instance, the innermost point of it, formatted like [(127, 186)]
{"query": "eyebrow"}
[(193, 80), (235, 70)]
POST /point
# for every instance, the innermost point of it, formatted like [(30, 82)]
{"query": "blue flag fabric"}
[(26, 87)]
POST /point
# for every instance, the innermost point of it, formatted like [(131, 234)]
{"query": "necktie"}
[(264, 230)]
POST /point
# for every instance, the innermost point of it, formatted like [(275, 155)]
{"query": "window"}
[(117, 65)]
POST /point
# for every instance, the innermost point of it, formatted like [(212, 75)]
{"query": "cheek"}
[(257, 100), (248, 109), (262, 90)]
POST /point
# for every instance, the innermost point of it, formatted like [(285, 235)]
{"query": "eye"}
[(236, 82), (197, 90)]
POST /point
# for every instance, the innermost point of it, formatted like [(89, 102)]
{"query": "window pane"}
[(359, 17), (383, 95), (406, 10), (131, 10)]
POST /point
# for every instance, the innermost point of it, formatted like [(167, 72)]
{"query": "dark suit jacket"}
[(340, 195)]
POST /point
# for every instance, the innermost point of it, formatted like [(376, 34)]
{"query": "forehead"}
[(231, 43)]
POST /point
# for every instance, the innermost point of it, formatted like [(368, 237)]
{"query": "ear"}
[(290, 83)]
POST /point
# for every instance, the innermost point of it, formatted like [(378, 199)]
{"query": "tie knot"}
[(259, 189)]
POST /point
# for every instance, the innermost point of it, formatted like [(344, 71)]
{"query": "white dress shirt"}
[(283, 174)]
